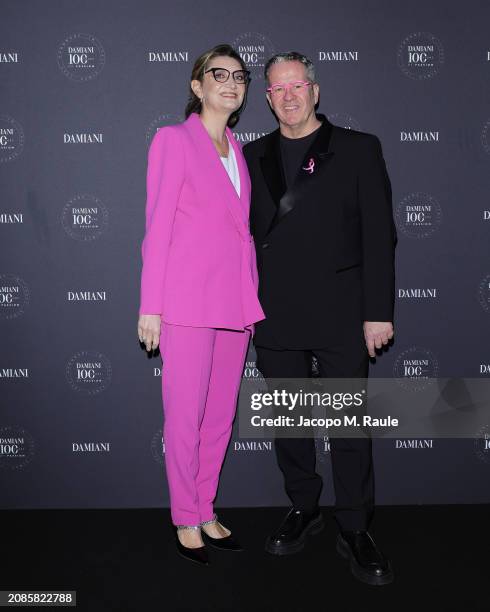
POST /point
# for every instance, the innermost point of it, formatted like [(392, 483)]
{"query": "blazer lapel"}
[(233, 202), (316, 159), (243, 172), (271, 166), (272, 171)]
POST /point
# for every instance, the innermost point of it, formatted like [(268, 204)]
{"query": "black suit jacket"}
[(325, 246)]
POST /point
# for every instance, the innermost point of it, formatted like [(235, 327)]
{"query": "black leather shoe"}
[(367, 563), (226, 543), (198, 555), (290, 537)]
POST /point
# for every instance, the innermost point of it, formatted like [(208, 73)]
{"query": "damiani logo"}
[(414, 367), (7, 293), (420, 54), (14, 373), (250, 53), (91, 447), (338, 56), (417, 293), (81, 55), (11, 218), (6, 135), (419, 136), (413, 443), (86, 296), (168, 56), (9, 58), (248, 136), (252, 446), (83, 138)]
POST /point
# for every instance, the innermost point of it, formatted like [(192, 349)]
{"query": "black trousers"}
[(351, 458)]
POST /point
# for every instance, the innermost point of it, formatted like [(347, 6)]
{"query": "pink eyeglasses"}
[(279, 89)]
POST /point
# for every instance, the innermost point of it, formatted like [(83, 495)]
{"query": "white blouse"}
[(231, 167)]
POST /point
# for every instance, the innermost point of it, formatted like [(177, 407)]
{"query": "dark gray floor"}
[(126, 560)]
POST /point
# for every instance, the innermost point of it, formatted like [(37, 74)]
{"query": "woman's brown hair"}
[(194, 104)]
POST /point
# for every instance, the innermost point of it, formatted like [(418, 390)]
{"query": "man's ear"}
[(268, 99), (316, 92), (196, 88)]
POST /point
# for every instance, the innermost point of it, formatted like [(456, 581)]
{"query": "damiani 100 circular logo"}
[(418, 215), (485, 137), (254, 49), (84, 217), (11, 138), (81, 57), (415, 367), (344, 120), (14, 296), (157, 447), (484, 293), (16, 448), (420, 55), (482, 444), (89, 372)]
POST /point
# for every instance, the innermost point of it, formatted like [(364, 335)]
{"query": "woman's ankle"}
[(191, 538), (216, 530)]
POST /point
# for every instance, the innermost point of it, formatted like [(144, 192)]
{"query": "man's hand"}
[(149, 330), (376, 334)]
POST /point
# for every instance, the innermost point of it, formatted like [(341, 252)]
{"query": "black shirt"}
[(293, 151)]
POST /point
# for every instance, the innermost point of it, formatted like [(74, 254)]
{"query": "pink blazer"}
[(199, 263)]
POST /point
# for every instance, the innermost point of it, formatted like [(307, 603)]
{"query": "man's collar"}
[(322, 142)]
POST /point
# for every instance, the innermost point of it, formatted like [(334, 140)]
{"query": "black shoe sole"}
[(184, 556), (316, 526), (357, 571)]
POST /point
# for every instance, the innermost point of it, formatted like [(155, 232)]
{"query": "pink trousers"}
[(201, 375)]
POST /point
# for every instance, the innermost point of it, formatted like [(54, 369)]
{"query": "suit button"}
[(265, 245)]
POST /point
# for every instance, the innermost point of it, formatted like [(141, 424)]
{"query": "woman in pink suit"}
[(199, 290)]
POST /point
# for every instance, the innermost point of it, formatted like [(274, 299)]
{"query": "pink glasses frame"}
[(287, 85)]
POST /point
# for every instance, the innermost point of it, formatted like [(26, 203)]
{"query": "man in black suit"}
[(321, 216)]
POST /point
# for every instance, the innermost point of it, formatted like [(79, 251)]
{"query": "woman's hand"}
[(149, 330)]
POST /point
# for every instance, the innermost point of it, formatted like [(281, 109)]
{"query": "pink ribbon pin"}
[(311, 166)]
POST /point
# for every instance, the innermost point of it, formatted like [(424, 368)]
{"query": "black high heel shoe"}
[(198, 555), (226, 543)]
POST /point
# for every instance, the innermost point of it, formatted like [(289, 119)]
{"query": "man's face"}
[(293, 106)]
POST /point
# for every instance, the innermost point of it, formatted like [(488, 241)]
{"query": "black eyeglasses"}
[(222, 75)]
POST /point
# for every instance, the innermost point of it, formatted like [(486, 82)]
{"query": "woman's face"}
[(224, 97)]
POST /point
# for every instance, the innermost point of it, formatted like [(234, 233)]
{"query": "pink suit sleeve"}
[(164, 180)]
